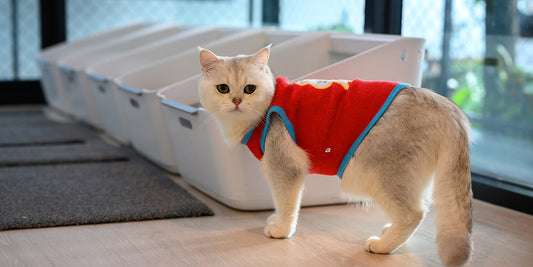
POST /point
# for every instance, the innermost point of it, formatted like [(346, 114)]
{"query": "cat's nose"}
[(236, 101)]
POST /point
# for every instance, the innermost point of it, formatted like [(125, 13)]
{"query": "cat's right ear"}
[(207, 59)]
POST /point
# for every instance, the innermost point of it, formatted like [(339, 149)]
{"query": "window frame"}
[(53, 29)]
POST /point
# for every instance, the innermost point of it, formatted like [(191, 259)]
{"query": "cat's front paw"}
[(278, 231), (374, 244), (275, 229)]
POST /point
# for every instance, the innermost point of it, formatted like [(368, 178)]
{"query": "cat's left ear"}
[(207, 59), (261, 57)]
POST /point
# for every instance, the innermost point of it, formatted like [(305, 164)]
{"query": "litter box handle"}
[(130, 89), (185, 108), (180, 106), (69, 71), (100, 79)]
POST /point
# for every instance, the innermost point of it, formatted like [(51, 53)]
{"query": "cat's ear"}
[(261, 57), (207, 59)]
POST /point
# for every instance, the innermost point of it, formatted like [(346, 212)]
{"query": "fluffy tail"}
[(453, 195)]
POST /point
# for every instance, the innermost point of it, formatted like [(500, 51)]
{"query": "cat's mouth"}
[(236, 109)]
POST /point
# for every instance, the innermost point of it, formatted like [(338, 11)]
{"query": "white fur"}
[(420, 143), (235, 124)]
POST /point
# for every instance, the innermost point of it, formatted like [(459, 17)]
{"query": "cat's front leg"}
[(285, 165), (287, 195)]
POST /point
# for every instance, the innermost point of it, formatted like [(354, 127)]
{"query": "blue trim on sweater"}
[(247, 137), (362, 136), (286, 121)]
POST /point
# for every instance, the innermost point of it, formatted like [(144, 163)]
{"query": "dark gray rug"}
[(59, 153), (44, 133), (23, 115), (59, 174)]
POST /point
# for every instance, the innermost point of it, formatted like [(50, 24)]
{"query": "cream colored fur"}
[(420, 141)]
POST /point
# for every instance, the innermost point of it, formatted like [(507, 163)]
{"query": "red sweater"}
[(327, 119)]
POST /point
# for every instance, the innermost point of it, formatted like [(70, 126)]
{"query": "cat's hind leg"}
[(405, 219), (404, 195), (405, 201)]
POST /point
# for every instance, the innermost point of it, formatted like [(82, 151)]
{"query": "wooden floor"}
[(326, 236)]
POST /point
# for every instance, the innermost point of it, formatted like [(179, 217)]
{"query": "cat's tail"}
[(453, 194)]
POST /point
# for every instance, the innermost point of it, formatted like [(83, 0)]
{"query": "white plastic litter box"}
[(233, 175), (53, 89), (138, 91), (73, 68), (101, 75)]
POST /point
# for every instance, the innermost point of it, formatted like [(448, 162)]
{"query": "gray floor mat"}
[(58, 174), (75, 194), (43, 133), (84, 151), (17, 116)]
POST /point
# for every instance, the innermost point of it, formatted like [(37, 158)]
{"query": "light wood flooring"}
[(326, 236)]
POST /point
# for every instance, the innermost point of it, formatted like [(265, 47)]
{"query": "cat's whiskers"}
[(225, 107), (258, 117), (205, 121)]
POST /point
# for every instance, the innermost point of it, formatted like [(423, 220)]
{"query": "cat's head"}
[(237, 90)]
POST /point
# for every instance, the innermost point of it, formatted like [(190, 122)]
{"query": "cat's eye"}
[(223, 88), (249, 89)]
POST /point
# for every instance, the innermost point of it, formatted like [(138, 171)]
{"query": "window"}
[(479, 54), (19, 33), (344, 16), (88, 17)]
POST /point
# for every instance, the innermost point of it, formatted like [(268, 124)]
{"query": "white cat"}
[(421, 139)]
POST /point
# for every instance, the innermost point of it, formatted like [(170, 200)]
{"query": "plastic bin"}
[(53, 89), (101, 76), (233, 175), (73, 74), (141, 105), (385, 57)]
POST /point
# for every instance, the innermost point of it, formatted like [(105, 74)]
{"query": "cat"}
[(421, 140)]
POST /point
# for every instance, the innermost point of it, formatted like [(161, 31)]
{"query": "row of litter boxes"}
[(138, 82)]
